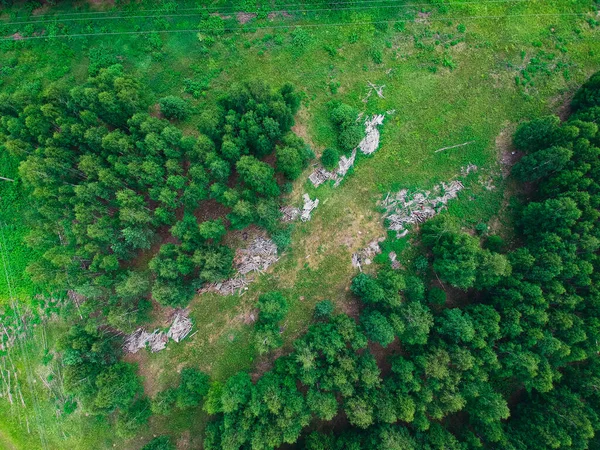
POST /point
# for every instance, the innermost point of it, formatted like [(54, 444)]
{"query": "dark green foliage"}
[(323, 309), (377, 328), (588, 96), (273, 308), (537, 134), (458, 257), (330, 158), (192, 389), (94, 375), (293, 156), (105, 176), (350, 132), (542, 163), (174, 107), (159, 443), (437, 296), (258, 176)]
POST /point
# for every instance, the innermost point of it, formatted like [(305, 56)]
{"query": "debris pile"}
[(371, 140), (181, 327), (365, 256), (289, 213), (393, 259), (257, 257), (406, 208), (320, 176), (261, 254), (308, 207), (373, 88), (367, 146), (140, 338), (157, 340)]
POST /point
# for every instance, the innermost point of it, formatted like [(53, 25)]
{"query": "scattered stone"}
[(393, 259), (245, 17), (258, 257), (404, 208), (343, 167), (309, 206)]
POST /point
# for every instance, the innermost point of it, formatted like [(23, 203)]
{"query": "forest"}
[(166, 179)]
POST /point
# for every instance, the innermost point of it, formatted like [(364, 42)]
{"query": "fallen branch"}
[(453, 146)]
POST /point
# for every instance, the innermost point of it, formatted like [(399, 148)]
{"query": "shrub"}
[(174, 108), (273, 307), (159, 443), (330, 158), (495, 243), (323, 309)]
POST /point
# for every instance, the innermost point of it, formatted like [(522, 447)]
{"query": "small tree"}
[(174, 107), (193, 388), (159, 443), (330, 158), (323, 309)]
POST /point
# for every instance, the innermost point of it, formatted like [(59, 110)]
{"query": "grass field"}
[(455, 73)]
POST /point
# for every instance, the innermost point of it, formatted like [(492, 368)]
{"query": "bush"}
[(495, 243), (323, 309), (536, 134), (193, 388), (330, 158), (159, 443), (174, 108), (273, 307), (377, 328)]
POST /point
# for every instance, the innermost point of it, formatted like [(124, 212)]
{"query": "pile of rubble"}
[(365, 256), (367, 146), (157, 340), (289, 213), (404, 208), (371, 140), (308, 207), (257, 257)]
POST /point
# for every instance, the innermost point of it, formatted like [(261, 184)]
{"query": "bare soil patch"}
[(561, 104), (150, 373), (507, 152), (210, 210), (382, 354), (101, 4), (244, 18)]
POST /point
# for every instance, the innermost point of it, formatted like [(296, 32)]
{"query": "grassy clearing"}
[(449, 80), (13, 209)]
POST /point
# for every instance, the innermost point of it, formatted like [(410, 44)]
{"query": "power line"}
[(231, 9), (316, 25), (134, 16)]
